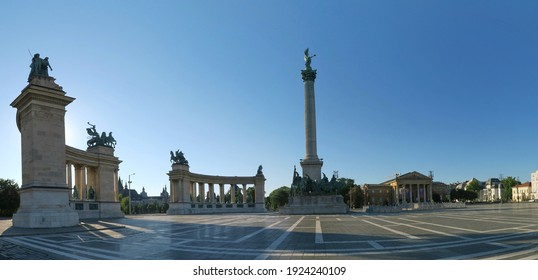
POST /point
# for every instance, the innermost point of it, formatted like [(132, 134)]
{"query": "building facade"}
[(534, 185), (522, 192)]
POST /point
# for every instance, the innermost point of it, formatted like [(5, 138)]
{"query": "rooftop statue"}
[(307, 59), (39, 67), (178, 158), (103, 140)]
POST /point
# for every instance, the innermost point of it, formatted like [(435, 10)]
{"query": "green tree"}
[(151, 207), (356, 197), (9, 197), (508, 183), (463, 195), (474, 186), (124, 204), (164, 207), (278, 198), (345, 185)]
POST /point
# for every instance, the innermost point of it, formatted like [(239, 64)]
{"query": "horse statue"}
[(110, 141)]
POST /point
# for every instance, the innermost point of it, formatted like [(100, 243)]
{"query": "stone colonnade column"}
[(211, 193), (244, 193), (222, 196), (232, 192)]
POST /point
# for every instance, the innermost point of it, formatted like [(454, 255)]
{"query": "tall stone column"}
[(44, 192), (311, 164)]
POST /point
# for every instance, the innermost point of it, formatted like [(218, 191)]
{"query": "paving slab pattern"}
[(496, 231)]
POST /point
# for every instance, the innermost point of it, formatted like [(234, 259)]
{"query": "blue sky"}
[(447, 86)]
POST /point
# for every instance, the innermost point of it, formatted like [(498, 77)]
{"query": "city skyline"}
[(447, 87)]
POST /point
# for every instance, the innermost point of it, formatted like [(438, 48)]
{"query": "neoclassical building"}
[(412, 187)]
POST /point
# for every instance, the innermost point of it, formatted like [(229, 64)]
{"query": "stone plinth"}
[(44, 192), (312, 168), (309, 205)]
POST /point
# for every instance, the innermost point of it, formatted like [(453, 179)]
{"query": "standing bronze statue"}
[(39, 67), (307, 59)]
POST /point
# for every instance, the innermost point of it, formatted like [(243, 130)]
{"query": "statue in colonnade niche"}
[(75, 193), (91, 193)]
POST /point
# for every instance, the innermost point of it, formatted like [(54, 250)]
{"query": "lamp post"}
[(130, 192)]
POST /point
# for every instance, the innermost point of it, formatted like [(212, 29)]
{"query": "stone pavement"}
[(507, 231)]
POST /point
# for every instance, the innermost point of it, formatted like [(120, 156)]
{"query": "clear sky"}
[(448, 86)]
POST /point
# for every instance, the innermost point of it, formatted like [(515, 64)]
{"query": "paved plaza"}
[(495, 231)]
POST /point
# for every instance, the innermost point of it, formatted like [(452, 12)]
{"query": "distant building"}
[(443, 190), (492, 190), (522, 192), (534, 185), (412, 187), (379, 194)]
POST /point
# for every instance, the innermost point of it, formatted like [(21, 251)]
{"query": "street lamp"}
[(130, 192)]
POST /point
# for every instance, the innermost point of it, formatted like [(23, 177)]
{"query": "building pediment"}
[(413, 176)]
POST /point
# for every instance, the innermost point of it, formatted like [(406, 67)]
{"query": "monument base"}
[(188, 208), (322, 204), (43, 207), (88, 209), (312, 168)]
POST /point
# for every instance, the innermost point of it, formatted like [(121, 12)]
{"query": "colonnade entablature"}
[(193, 193), (92, 177)]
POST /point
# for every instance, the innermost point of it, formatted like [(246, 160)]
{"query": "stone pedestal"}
[(310, 205), (44, 192)]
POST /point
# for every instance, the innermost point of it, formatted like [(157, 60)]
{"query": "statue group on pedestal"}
[(39, 67), (178, 158), (102, 140), (304, 186)]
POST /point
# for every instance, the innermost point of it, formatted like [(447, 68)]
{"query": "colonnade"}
[(86, 177), (198, 193), (414, 193), (94, 174), (192, 193)]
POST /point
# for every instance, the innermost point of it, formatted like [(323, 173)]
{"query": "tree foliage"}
[(278, 198), (356, 197), (508, 183), (9, 197), (124, 204), (463, 195), (474, 186)]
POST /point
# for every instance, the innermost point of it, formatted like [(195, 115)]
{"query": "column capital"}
[(308, 75)]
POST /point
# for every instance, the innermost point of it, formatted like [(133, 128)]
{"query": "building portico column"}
[(430, 192), (411, 193)]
